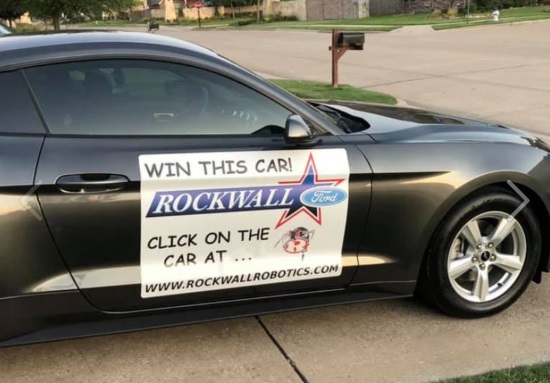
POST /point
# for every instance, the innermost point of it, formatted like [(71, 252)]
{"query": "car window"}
[(17, 111), (4, 30), (135, 97)]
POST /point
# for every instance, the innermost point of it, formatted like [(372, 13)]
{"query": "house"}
[(161, 4), (352, 9), (164, 9), (305, 9), (392, 7), (317, 9)]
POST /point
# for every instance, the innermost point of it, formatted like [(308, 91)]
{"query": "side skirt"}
[(67, 315)]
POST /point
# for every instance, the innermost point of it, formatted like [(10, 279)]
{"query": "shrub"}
[(279, 17), (489, 5), (452, 12), (463, 11), (290, 18), (242, 23), (26, 28)]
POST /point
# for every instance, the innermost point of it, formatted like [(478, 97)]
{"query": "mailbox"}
[(152, 26), (353, 40), (341, 43)]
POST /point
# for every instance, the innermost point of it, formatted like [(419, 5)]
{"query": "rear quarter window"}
[(17, 111)]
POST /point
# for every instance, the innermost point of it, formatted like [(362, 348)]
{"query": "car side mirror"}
[(297, 131)]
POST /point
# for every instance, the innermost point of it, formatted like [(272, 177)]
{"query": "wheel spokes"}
[(486, 257), (481, 285), (502, 231), (508, 263), (459, 266), (471, 233)]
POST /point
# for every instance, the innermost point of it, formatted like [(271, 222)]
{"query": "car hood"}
[(419, 125)]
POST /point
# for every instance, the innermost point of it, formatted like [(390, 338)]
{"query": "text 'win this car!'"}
[(148, 182)]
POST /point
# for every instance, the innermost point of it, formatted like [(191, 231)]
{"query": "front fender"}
[(415, 185)]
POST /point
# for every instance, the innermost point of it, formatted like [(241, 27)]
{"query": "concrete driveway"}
[(501, 73)]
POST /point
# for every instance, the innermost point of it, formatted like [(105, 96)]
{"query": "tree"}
[(56, 9), (11, 10), (121, 6), (232, 4), (224, 3), (48, 9)]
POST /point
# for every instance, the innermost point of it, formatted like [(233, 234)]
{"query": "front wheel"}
[(482, 258)]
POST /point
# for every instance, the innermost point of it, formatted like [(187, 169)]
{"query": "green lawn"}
[(212, 22), (489, 21), (325, 91), (322, 28), (397, 20), (393, 22), (539, 373), (525, 11), (107, 23)]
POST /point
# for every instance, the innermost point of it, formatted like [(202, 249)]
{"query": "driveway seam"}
[(290, 361)]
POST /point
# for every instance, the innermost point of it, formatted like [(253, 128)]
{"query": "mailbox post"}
[(198, 6), (341, 43)]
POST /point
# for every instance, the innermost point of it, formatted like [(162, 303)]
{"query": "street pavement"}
[(501, 73)]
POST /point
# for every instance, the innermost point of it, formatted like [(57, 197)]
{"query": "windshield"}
[(346, 122)]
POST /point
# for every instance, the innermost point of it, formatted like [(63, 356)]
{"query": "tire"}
[(498, 268)]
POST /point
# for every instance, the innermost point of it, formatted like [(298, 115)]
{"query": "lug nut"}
[(479, 247), (493, 258), (474, 259), (482, 266), (491, 245)]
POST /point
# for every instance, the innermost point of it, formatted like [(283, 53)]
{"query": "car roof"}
[(30, 48)]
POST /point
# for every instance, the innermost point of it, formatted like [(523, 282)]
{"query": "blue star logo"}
[(308, 181)]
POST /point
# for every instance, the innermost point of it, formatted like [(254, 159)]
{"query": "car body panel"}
[(427, 187), (29, 260)]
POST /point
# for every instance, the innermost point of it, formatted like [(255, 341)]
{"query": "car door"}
[(29, 262), (165, 184)]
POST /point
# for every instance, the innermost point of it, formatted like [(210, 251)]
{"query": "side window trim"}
[(34, 101)]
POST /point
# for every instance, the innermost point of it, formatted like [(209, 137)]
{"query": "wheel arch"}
[(526, 184)]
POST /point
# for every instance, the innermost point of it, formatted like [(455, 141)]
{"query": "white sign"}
[(222, 220)]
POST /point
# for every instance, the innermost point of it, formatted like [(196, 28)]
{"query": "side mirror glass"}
[(297, 131)]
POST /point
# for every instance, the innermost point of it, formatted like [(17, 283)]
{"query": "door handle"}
[(92, 183)]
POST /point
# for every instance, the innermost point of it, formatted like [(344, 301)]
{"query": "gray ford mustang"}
[(147, 182)]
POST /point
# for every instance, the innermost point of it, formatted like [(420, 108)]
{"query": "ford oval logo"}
[(323, 196)]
